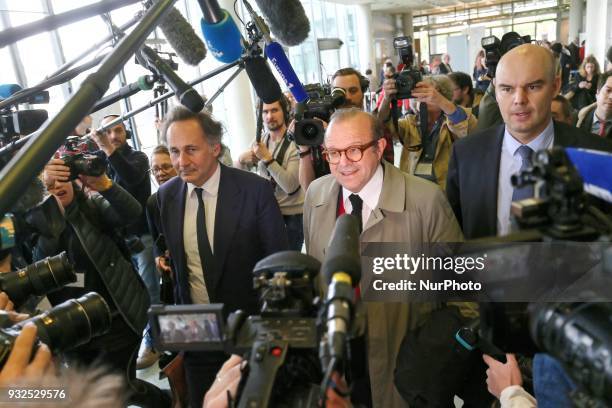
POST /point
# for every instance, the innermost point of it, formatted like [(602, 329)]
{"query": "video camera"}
[(15, 122), (408, 77), (64, 327), (322, 102), (495, 49), (76, 154), (578, 334)]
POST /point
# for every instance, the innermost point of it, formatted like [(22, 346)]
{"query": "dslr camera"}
[(495, 49), (76, 155), (408, 77), (322, 102)]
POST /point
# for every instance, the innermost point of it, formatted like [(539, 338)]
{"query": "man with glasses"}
[(393, 207)]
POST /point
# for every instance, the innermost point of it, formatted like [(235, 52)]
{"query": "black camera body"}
[(20, 123), (281, 343), (495, 49), (322, 102), (408, 77), (75, 154)]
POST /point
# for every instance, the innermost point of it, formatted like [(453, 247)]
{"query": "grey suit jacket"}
[(410, 210)]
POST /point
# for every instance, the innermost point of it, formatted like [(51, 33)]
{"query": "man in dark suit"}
[(597, 118), (218, 223), (478, 182)]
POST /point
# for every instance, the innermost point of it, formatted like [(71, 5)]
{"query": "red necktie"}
[(602, 129)]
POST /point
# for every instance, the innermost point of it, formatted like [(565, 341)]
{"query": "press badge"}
[(424, 169)]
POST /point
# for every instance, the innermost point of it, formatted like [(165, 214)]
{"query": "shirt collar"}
[(370, 193), (543, 141), (210, 186), (597, 120)]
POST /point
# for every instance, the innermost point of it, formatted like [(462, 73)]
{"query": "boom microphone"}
[(262, 79), (185, 93), (144, 83), (342, 269), (182, 37), (287, 19), (220, 32)]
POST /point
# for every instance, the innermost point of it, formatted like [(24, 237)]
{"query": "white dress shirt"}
[(510, 163), (370, 194), (199, 294)]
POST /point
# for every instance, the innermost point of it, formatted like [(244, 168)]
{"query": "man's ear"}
[(216, 148), (381, 144)]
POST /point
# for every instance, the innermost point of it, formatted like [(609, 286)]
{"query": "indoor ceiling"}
[(419, 6)]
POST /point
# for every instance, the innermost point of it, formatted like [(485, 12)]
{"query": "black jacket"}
[(130, 169), (88, 240), (248, 227), (473, 171), (587, 123)]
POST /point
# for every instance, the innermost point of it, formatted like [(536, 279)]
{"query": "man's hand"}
[(102, 140), (227, 380), (162, 263), (18, 364), (261, 152), (501, 376), (96, 183), (390, 88), (5, 302), (333, 399), (426, 92), (55, 170), (248, 158)]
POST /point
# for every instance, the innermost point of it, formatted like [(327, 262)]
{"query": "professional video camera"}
[(75, 154), (15, 122), (322, 102), (408, 77), (578, 334), (495, 49), (38, 279), (64, 327), (282, 342)]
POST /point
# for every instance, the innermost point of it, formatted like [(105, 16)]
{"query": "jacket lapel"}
[(393, 186), (229, 208), (325, 210), (490, 157), (175, 203)]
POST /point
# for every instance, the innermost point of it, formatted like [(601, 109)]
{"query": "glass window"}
[(546, 30)]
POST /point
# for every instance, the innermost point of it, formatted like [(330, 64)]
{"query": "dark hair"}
[(363, 81), (161, 149), (368, 71), (285, 106), (213, 130), (566, 108), (462, 80), (603, 78)]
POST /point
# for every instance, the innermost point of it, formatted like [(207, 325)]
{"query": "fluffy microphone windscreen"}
[(287, 19), (262, 79), (223, 39), (182, 37)]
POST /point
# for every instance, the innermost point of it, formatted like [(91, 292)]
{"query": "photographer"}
[(129, 168), (427, 156), (277, 160), (103, 265), (354, 84)]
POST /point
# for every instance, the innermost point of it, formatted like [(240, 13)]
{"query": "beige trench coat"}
[(410, 210)]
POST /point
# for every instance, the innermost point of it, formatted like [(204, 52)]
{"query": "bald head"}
[(527, 55), (525, 85)]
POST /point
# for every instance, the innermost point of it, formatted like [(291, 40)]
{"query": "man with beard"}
[(354, 84), (277, 160)]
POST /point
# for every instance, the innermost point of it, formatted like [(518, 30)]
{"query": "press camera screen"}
[(189, 328)]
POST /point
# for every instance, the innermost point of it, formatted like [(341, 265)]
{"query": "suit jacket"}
[(248, 227), (586, 117), (411, 210), (473, 172)]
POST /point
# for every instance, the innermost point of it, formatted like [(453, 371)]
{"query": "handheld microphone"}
[(279, 59), (144, 83), (182, 37), (287, 19), (342, 269), (220, 32), (262, 79), (185, 93)]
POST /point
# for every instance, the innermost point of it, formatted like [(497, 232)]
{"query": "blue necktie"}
[(526, 191)]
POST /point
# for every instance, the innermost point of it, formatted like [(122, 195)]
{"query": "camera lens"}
[(74, 322), (310, 131), (38, 279)]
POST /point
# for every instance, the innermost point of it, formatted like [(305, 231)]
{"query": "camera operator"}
[(103, 265), (354, 84), (129, 169), (427, 155), (277, 159)]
